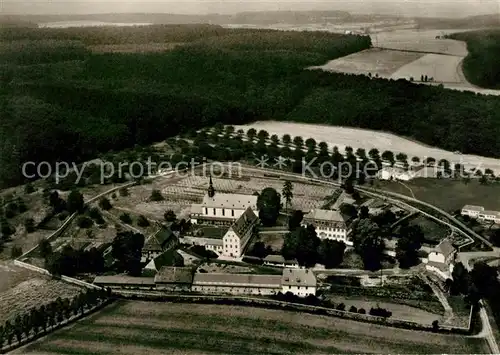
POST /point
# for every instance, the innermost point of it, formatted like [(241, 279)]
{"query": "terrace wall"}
[(275, 304)]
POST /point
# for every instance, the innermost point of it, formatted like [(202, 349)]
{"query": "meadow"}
[(129, 328)]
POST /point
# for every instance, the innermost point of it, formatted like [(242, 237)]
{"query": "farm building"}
[(238, 284), (441, 259), (220, 208), (125, 282), (279, 261), (159, 242), (168, 258), (239, 234), (174, 278), (213, 244), (329, 224), (471, 211), (300, 282)]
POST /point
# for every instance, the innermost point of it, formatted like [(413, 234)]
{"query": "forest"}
[(72, 104), (482, 65)]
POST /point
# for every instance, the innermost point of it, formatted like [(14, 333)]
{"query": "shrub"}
[(142, 221), (84, 222), (29, 225), (123, 192), (105, 204), (340, 307), (16, 252), (156, 196), (29, 189), (125, 218), (353, 309), (361, 311)]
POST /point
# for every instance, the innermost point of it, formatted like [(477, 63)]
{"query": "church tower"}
[(211, 190)]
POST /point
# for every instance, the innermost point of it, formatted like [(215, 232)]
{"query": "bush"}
[(340, 307), (29, 225), (123, 192), (29, 189), (361, 311), (125, 218), (16, 252), (104, 204), (156, 196), (142, 221), (84, 222), (353, 309)]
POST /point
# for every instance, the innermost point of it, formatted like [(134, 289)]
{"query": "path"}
[(448, 311)]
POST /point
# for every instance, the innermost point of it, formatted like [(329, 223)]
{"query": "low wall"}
[(275, 304)]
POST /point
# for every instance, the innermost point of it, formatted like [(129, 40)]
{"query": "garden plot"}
[(442, 68), (33, 293), (368, 139), (375, 61)]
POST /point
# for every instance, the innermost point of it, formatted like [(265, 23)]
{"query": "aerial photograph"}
[(249, 177)]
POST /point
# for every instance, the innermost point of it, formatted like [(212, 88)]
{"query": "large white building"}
[(395, 173), (300, 282), (329, 224), (239, 234), (221, 208), (480, 213), (472, 211), (441, 259)]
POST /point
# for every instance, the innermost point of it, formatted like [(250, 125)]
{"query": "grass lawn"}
[(433, 232), (449, 195), (163, 328)]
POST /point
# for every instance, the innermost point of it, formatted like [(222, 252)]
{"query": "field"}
[(157, 328), (449, 195), (21, 289), (410, 53), (367, 139), (133, 48), (442, 68)]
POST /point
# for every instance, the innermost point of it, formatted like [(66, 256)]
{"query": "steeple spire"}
[(211, 190)]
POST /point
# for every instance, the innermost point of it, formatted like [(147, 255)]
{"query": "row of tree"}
[(39, 320)]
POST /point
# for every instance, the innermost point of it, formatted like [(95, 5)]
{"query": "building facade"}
[(239, 234), (214, 244), (279, 261), (471, 211), (174, 279), (329, 224), (441, 259), (236, 284), (221, 208), (157, 243), (489, 216), (300, 282)]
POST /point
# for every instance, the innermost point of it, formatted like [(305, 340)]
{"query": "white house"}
[(471, 211), (395, 173), (300, 282), (279, 261), (329, 224), (489, 216), (247, 284), (239, 234), (441, 259), (221, 208)]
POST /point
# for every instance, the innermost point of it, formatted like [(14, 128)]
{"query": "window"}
[(223, 213), (232, 213), (214, 211), (206, 210), (289, 287)]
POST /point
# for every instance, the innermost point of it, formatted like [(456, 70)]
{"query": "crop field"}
[(130, 328), (375, 61), (442, 68), (33, 292), (368, 139)]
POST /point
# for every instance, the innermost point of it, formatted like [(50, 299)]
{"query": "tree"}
[(331, 253), (295, 220), (29, 225), (353, 309), (16, 252), (28, 189), (104, 204), (126, 249), (401, 157), (483, 180), (170, 216), (415, 160), (460, 277), (156, 196), (435, 326), (45, 248), (374, 153), (275, 139), (364, 212), (348, 210), (142, 221), (262, 135), (286, 139), (302, 244), (75, 202), (408, 244), (368, 243), (287, 193), (429, 161), (389, 156), (269, 204), (310, 144), (259, 250), (298, 141), (84, 222), (251, 133), (125, 218)]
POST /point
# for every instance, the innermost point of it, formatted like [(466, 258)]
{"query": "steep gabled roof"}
[(244, 222), (157, 241), (236, 201), (445, 247)]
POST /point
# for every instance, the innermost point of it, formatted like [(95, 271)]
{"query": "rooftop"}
[(325, 215), (445, 247), (203, 240), (298, 277), (168, 258), (491, 213), (473, 208), (237, 279), (236, 201), (244, 222), (157, 241), (124, 280), (174, 274), (279, 259)]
